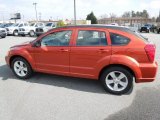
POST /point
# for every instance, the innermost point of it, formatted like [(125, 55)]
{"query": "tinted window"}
[(21, 25), (25, 24), (91, 38), (117, 39), (49, 24), (57, 39)]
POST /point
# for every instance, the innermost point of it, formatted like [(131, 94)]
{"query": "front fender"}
[(25, 54)]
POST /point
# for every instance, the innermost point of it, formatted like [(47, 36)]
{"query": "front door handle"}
[(64, 50), (103, 50)]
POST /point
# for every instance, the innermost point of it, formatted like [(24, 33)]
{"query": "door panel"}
[(85, 59), (53, 55), (53, 59)]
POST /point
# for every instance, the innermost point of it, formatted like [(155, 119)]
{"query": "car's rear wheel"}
[(21, 68), (15, 33), (32, 33), (117, 80)]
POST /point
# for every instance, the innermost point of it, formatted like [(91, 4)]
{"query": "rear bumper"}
[(148, 72)]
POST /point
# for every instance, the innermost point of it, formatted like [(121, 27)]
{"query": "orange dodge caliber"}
[(114, 55)]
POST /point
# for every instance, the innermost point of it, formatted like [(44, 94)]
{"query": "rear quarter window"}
[(117, 39)]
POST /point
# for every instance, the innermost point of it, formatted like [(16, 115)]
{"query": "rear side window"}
[(117, 39), (91, 38)]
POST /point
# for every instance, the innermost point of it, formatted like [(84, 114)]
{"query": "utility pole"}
[(75, 12), (35, 4)]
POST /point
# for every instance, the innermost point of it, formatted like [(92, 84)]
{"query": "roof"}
[(121, 28)]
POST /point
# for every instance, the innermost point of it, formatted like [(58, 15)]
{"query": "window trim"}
[(129, 40), (53, 33), (90, 45)]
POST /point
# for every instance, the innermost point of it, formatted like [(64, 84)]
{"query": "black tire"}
[(148, 31), (27, 65), (15, 32), (128, 75), (23, 35), (3, 36), (31, 33)]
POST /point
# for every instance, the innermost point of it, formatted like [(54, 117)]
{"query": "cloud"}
[(155, 4)]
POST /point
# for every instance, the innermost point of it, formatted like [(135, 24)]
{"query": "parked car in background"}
[(4, 25), (114, 55), (13, 29), (48, 26), (3, 32), (148, 28), (158, 29), (29, 30)]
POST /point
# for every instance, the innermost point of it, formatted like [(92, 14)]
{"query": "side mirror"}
[(36, 44)]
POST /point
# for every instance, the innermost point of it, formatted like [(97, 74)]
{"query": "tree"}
[(60, 23), (145, 14), (104, 16), (133, 14), (92, 17), (153, 19), (126, 14), (158, 18)]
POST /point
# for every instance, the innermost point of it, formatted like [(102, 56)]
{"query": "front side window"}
[(21, 25), (91, 38), (117, 39), (61, 38)]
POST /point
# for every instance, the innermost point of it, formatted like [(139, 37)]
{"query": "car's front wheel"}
[(117, 80), (15, 33), (21, 68)]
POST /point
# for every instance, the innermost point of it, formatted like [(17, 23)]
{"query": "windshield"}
[(147, 25), (15, 25), (32, 24), (49, 24), (2, 25)]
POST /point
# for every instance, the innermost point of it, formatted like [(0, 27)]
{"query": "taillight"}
[(150, 51)]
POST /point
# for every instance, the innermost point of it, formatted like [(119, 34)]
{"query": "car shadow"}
[(145, 106), (78, 84)]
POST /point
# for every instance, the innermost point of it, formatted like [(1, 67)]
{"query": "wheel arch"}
[(18, 56), (116, 65)]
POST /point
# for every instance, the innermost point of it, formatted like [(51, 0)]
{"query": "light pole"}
[(35, 4), (75, 12)]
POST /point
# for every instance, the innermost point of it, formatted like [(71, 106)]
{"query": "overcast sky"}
[(63, 9)]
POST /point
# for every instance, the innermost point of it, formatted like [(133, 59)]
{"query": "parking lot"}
[(52, 97)]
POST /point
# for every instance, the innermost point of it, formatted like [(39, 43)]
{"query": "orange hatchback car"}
[(114, 55)]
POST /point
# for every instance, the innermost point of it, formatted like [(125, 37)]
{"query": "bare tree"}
[(104, 16), (112, 16), (126, 14)]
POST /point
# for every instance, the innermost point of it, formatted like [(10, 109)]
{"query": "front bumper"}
[(148, 72), (23, 33), (9, 32), (39, 33), (7, 60)]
